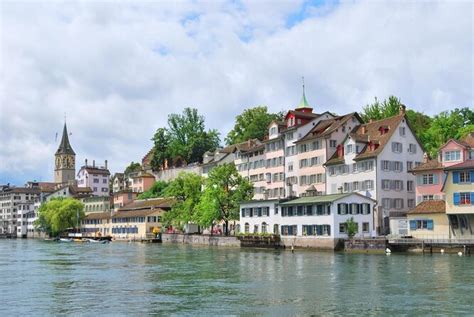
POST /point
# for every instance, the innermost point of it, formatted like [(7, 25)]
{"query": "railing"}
[(432, 241)]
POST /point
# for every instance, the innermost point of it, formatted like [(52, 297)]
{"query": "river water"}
[(40, 278)]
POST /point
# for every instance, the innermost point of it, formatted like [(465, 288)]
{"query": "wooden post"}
[(431, 249), (423, 246)]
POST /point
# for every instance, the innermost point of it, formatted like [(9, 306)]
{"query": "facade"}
[(65, 161), (459, 190), (428, 220), (311, 221), (96, 224), (95, 177), (374, 160), (142, 181), (118, 182), (96, 204), (16, 207), (429, 181), (123, 198), (69, 191)]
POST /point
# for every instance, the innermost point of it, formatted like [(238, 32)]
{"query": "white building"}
[(95, 177), (374, 161), (311, 221), (15, 205)]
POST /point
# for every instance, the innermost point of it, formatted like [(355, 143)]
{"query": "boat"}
[(65, 240), (51, 239)]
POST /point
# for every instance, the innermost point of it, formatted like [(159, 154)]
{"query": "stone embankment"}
[(207, 240)]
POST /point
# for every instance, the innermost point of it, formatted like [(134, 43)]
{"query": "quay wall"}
[(366, 245), (311, 243), (221, 241)]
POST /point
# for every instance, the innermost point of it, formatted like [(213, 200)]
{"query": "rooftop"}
[(319, 199), (428, 166), (429, 207)]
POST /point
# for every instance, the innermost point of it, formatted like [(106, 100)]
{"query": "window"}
[(397, 147), (412, 148), (402, 131), (95, 189), (422, 224), (365, 209), (315, 145), (303, 148), (349, 148), (386, 165), (273, 131), (342, 228), (247, 227), (289, 136), (332, 143), (96, 180), (410, 186), (365, 227), (462, 198), (398, 203), (411, 203), (385, 184), (428, 179), (386, 203), (428, 197), (452, 156), (290, 167), (342, 209), (464, 177), (397, 166), (409, 166)]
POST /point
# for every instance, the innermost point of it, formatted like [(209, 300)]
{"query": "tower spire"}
[(65, 147), (303, 103)]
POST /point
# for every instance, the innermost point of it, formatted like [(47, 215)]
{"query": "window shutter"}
[(338, 209), (430, 224), (412, 224), (435, 179), (419, 180), (349, 208), (472, 198), (472, 176), (455, 177), (456, 198)]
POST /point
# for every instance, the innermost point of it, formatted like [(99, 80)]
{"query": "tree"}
[(352, 227), (131, 168), (378, 111), (453, 124), (185, 138), (223, 191), (155, 191), (186, 189), (160, 149), (251, 124), (59, 214)]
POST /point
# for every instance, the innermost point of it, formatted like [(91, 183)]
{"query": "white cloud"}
[(118, 69)]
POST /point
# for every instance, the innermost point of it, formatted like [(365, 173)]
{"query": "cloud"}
[(117, 70)]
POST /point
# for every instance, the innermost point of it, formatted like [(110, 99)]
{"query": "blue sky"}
[(119, 69)]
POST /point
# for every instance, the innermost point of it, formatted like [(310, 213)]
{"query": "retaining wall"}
[(200, 239)]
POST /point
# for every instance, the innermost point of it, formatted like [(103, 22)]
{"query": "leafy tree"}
[(251, 124), (223, 191), (186, 189), (185, 137), (160, 149), (380, 110), (59, 214), (351, 227), (453, 124), (155, 191), (133, 167)]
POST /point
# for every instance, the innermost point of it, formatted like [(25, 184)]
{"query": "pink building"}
[(430, 176), (142, 182), (123, 198)]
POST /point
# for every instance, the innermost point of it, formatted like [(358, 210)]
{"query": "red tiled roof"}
[(154, 203), (326, 127), (463, 165), (428, 166), (429, 207)]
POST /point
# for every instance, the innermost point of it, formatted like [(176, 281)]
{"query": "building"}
[(429, 180), (97, 204), (65, 161), (311, 221), (69, 191), (118, 182), (428, 220), (123, 198), (95, 177), (317, 146), (142, 181), (374, 160), (459, 190), (16, 206), (96, 224)]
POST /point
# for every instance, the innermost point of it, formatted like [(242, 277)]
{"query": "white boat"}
[(65, 240)]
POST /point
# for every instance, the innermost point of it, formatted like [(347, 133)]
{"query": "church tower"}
[(65, 165)]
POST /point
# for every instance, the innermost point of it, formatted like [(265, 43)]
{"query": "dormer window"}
[(383, 129), (299, 121), (273, 130)]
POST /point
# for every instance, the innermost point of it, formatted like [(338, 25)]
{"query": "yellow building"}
[(428, 220), (459, 190), (96, 224)]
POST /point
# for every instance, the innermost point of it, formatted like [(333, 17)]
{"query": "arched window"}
[(264, 227), (275, 229), (255, 229), (247, 227)]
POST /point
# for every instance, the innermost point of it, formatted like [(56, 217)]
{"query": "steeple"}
[(65, 146), (304, 105)]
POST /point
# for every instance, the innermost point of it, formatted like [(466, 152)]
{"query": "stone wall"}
[(366, 245), (200, 239), (311, 242)]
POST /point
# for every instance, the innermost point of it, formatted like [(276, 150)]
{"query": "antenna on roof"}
[(302, 79)]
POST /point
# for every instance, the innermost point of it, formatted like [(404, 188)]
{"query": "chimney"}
[(371, 120), (425, 157), (402, 109), (105, 164), (86, 162), (362, 129), (93, 163)]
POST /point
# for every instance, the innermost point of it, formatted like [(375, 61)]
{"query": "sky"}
[(116, 69)]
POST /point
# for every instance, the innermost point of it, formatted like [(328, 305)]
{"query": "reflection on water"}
[(138, 279)]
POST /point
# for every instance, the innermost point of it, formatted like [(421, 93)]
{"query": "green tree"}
[(352, 227), (155, 191), (186, 189), (381, 110), (251, 124), (59, 214), (223, 191), (185, 137), (131, 168), (453, 124), (160, 149)]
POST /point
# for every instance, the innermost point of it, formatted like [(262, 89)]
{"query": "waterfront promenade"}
[(135, 279)]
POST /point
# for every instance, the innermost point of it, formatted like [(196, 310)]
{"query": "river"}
[(47, 278)]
